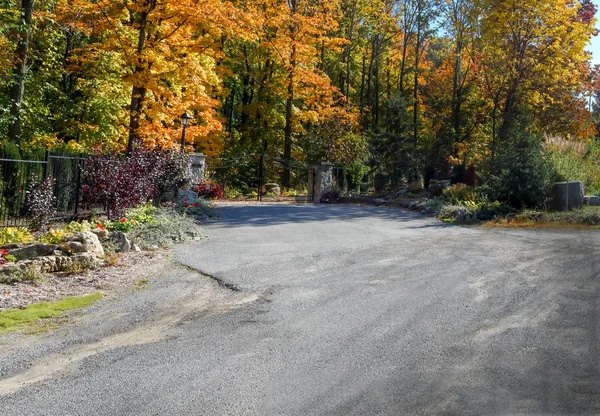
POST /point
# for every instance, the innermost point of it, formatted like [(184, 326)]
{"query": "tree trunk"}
[(457, 94), (349, 49), (416, 86), (138, 93), (17, 90), (376, 85), (362, 88), (289, 105), (508, 114)]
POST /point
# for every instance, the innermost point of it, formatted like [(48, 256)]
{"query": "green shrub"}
[(15, 235), (571, 165), (585, 215), (289, 192), (54, 236), (143, 214), (123, 225), (41, 202), (460, 192), (199, 209), (79, 227), (169, 227), (521, 175), (357, 171), (233, 193)]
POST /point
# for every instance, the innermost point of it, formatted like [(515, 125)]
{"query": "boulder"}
[(415, 187), (76, 247), (402, 193), (32, 251), (273, 187), (102, 234), (119, 239), (593, 201), (65, 248), (186, 197), (567, 196), (436, 187), (89, 241), (51, 264), (427, 211)]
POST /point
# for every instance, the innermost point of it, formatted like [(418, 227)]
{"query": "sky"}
[(595, 46)]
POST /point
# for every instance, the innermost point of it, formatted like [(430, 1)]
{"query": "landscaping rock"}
[(119, 239), (402, 193), (274, 188), (415, 187), (427, 211), (33, 251), (186, 197), (76, 247), (436, 187), (461, 214), (52, 264), (65, 248), (102, 234), (567, 196), (593, 201), (136, 248), (90, 244)]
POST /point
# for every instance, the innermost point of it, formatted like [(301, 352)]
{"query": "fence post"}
[(78, 186), (260, 177), (46, 163)]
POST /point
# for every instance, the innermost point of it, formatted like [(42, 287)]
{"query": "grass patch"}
[(141, 284), (585, 218), (31, 315)]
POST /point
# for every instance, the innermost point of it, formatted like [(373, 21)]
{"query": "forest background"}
[(499, 94)]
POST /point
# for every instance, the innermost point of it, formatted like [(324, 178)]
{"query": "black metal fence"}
[(252, 178), (17, 176)]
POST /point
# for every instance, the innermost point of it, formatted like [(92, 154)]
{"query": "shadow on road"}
[(259, 215)]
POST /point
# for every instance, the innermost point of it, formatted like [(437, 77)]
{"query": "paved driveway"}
[(364, 311)]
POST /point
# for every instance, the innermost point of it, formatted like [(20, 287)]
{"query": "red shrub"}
[(208, 190)]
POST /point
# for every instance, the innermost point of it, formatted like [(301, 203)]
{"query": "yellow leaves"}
[(175, 67)]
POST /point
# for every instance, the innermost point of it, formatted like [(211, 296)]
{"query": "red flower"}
[(197, 205), (123, 219), (186, 205)]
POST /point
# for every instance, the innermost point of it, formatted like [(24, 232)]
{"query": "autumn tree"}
[(169, 51), (538, 47)]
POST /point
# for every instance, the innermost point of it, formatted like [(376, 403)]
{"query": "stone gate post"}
[(198, 161), (320, 180)]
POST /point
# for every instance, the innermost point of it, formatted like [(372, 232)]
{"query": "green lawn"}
[(30, 316)]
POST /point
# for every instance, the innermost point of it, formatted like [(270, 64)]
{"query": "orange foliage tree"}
[(170, 51)]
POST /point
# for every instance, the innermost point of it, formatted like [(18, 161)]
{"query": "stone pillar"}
[(320, 180), (198, 167), (567, 196)]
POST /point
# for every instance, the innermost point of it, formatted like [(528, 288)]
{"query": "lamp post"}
[(185, 121)]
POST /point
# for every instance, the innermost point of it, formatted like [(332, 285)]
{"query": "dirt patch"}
[(207, 300), (130, 267)]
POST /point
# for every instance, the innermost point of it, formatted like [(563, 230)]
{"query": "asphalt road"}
[(338, 310)]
